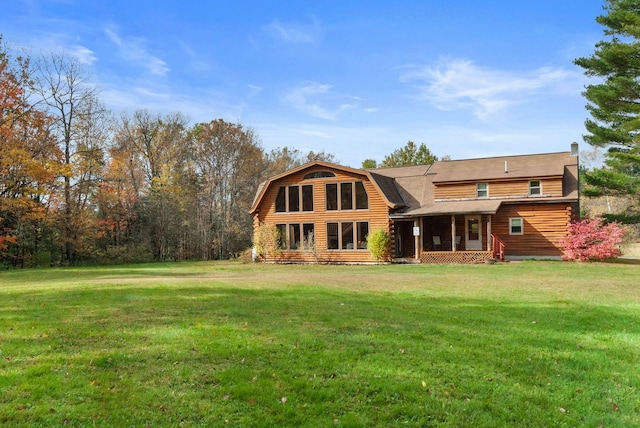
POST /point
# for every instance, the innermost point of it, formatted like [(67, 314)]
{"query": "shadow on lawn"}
[(376, 347), (466, 322)]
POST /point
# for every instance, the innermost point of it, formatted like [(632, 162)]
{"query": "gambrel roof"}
[(385, 185)]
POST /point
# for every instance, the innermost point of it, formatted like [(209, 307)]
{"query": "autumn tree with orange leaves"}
[(77, 186), (30, 164)]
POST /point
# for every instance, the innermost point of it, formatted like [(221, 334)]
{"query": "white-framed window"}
[(535, 188), (482, 190), (516, 226)]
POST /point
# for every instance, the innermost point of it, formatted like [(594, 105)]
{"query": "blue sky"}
[(354, 78)]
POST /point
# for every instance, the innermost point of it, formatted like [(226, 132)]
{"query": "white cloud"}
[(307, 99), (294, 33), (133, 50), (204, 106), (254, 90), (197, 60), (457, 84), (83, 55), (113, 37)]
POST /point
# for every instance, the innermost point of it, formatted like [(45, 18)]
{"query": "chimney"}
[(574, 149), (506, 167)]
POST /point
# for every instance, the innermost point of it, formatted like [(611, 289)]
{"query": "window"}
[(516, 226), (282, 236), (288, 198), (349, 194), (535, 188), (294, 198), (332, 236), (347, 235), (307, 197), (346, 196), (331, 194), (363, 233), (289, 237), (308, 236), (294, 236), (482, 190), (281, 201), (318, 174), (362, 199)]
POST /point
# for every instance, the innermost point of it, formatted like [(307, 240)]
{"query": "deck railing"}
[(498, 247)]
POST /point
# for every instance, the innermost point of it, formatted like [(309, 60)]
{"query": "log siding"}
[(376, 215), (544, 226), (550, 187)]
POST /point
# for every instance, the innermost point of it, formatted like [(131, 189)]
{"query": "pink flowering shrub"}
[(590, 239)]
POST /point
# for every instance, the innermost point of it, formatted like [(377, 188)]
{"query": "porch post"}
[(453, 233), (489, 239), (417, 240)]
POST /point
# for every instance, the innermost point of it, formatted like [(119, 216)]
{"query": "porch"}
[(456, 257), (456, 238)]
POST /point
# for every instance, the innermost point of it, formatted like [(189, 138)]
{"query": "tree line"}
[(79, 184)]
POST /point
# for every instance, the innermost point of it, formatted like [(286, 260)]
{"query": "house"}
[(459, 211)]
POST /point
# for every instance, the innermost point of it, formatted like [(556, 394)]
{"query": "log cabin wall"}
[(544, 227), (499, 189), (376, 215)]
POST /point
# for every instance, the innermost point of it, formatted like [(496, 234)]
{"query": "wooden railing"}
[(498, 247)]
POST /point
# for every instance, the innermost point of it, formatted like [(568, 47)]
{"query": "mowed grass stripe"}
[(229, 344)]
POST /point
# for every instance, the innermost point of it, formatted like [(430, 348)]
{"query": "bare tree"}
[(229, 164), (72, 101), (284, 158), (151, 148), (152, 141)]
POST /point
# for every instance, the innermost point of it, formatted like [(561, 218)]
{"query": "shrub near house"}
[(591, 239)]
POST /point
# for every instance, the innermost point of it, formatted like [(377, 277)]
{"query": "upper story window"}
[(307, 198), (318, 174), (482, 190), (362, 199), (294, 198), (346, 196), (535, 188), (331, 194), (281, 200)]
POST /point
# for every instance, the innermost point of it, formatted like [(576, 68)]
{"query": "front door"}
[(473, 231)]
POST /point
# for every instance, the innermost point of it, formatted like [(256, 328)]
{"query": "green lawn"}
[(536, 344)]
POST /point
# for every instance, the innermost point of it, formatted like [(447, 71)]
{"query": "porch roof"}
[(489, 206)]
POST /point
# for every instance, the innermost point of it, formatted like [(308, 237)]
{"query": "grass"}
[(533, 344)]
